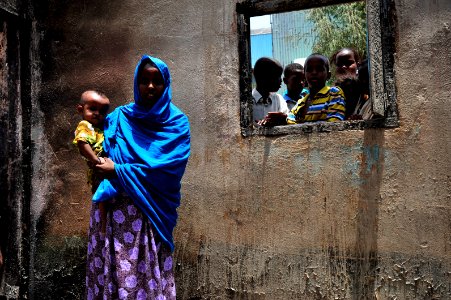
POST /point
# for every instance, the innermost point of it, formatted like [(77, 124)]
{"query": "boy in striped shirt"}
[(323, 103)]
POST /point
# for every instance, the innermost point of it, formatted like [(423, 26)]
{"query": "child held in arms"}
[(322, 103), (93, 108), (294, 79), (269, 108), (363, 109)]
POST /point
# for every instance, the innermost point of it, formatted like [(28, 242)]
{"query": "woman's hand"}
[(106, 167)]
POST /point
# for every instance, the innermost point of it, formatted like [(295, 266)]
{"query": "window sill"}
[(320, 126)]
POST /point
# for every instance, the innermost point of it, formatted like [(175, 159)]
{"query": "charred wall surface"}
[(360, 214), (15, 154)]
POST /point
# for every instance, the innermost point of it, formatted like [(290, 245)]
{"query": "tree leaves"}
[(339, 26)]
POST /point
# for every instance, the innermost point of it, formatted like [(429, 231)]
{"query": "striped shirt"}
[(327, 105)]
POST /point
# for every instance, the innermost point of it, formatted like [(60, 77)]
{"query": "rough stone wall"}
[(340, 215)]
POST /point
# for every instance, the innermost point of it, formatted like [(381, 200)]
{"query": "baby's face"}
[(95, 109)]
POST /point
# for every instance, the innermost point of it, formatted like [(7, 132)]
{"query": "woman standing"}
[(148, 145)]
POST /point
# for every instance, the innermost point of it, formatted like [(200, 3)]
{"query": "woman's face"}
[(151, 85), (346, 64)]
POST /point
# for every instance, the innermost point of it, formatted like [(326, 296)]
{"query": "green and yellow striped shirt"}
[(327, 105)]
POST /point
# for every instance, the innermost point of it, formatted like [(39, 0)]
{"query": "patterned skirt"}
[(128, 262)]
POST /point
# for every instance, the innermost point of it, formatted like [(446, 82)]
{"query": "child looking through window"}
[(269, 108), (347, 62), (323, 103), (294, 78)]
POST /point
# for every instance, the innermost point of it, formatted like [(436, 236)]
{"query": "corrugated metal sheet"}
[(261, 45), (293, 36)]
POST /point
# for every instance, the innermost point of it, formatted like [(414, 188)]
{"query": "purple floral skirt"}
[(127, 262)]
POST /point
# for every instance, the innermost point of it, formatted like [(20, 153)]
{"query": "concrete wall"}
[(340, 215)]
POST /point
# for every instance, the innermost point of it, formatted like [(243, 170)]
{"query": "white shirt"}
[(274, 103)]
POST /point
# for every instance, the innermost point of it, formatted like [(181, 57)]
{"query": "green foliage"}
[(340, 26)]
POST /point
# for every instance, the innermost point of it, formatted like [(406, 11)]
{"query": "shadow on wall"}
[(365, 251)]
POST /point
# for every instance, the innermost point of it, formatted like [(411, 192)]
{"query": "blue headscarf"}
[(150, 148)]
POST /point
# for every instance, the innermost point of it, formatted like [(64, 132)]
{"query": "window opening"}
[(288, 29)]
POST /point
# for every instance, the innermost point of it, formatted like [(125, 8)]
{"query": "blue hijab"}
[(150, 148)]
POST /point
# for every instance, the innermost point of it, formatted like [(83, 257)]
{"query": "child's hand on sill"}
[(273, 119), (106, 167)]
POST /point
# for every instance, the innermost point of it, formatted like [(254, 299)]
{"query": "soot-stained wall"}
[(359, 214)]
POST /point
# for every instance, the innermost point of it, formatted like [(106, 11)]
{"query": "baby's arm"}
[(86, 150), (85, 136)]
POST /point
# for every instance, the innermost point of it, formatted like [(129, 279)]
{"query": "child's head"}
[(317, 72), (294, 78), (150, 83), (267, 73), (93, 107), (347, 61)]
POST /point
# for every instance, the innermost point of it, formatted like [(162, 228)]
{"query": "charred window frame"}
[(381, 21), (15, 152)]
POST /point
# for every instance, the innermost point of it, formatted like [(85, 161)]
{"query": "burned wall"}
[(15, 154), (345, 215)]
